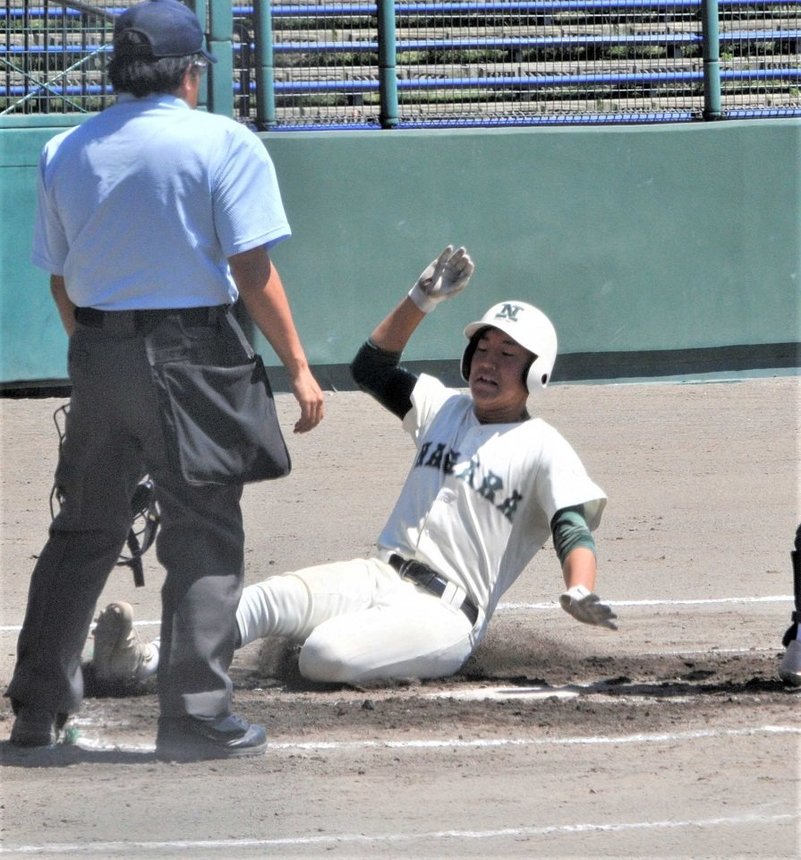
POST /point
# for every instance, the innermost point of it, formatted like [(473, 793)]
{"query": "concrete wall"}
[(645, 245)]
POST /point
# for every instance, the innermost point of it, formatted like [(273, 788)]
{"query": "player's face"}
[(496, 378)]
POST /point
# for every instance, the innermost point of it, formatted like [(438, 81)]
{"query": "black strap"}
[(138, 571)]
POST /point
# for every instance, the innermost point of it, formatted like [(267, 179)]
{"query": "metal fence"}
[(315, 63), (52, 58)]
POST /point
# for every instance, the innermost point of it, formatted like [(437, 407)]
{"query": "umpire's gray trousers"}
[(113, 437)]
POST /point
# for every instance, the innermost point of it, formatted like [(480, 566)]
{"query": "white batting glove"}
[(585, 606), (442, 279)]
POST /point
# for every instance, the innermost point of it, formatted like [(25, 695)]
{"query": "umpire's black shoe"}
[(190, 739), (36, 727)]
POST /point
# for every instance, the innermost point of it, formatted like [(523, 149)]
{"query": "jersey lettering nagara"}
[(484, 481)]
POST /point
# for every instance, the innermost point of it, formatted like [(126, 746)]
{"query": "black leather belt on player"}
[(431, 581), (145, 320)]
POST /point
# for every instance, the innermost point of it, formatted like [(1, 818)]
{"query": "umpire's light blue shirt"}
[(141, 205)]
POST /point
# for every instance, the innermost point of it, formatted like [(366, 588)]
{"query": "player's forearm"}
[(394, 331), (66, 308), (579, 599), (580, 568)]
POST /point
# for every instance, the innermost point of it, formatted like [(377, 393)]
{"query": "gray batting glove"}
[(446, 276), (584, 605)]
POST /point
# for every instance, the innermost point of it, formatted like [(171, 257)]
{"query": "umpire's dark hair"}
[(136, 71)]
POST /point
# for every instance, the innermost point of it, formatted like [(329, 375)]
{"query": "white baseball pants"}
[(359, 620)]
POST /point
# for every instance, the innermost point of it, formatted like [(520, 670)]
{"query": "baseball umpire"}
[(153, 218), (488, 484)]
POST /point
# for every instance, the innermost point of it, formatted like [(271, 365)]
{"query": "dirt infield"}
[(672, 737)]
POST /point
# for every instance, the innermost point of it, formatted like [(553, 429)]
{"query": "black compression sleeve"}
[(378, 372)]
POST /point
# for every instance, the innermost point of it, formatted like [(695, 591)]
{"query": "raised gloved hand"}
[(584, 605), (442, 279)]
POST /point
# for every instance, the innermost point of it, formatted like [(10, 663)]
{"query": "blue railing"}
[(472, 63)]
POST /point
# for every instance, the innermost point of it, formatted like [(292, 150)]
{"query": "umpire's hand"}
[(585, 606)]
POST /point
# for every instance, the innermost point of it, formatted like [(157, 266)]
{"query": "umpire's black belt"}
[(130, 322), (431, 581)]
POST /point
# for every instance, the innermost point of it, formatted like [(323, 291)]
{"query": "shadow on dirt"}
[(65, 754)]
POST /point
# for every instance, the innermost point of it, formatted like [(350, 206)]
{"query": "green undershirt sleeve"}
[(570, 530)]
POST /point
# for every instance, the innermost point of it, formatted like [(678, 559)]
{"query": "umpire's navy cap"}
[(170, 29)]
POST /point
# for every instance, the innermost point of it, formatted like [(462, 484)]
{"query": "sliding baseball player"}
[(489, 484)]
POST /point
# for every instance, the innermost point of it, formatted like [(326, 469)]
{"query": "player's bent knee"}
[(323, 662)]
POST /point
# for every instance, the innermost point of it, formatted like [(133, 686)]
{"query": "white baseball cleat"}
[(790, 666), (120, 657)]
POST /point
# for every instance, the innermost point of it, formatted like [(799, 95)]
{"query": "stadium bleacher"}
[(448, 64)]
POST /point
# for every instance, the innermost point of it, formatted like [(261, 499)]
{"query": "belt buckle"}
[(401, 564), (419, 572), (406, 567)]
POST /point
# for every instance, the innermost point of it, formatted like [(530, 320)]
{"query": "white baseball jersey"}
[(479, 499)]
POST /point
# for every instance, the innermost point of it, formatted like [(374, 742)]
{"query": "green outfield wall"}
[(655, 250)]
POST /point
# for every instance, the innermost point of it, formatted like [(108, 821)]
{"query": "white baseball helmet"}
[(527, 326)]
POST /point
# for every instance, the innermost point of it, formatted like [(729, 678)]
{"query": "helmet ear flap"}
[(538, 378)]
